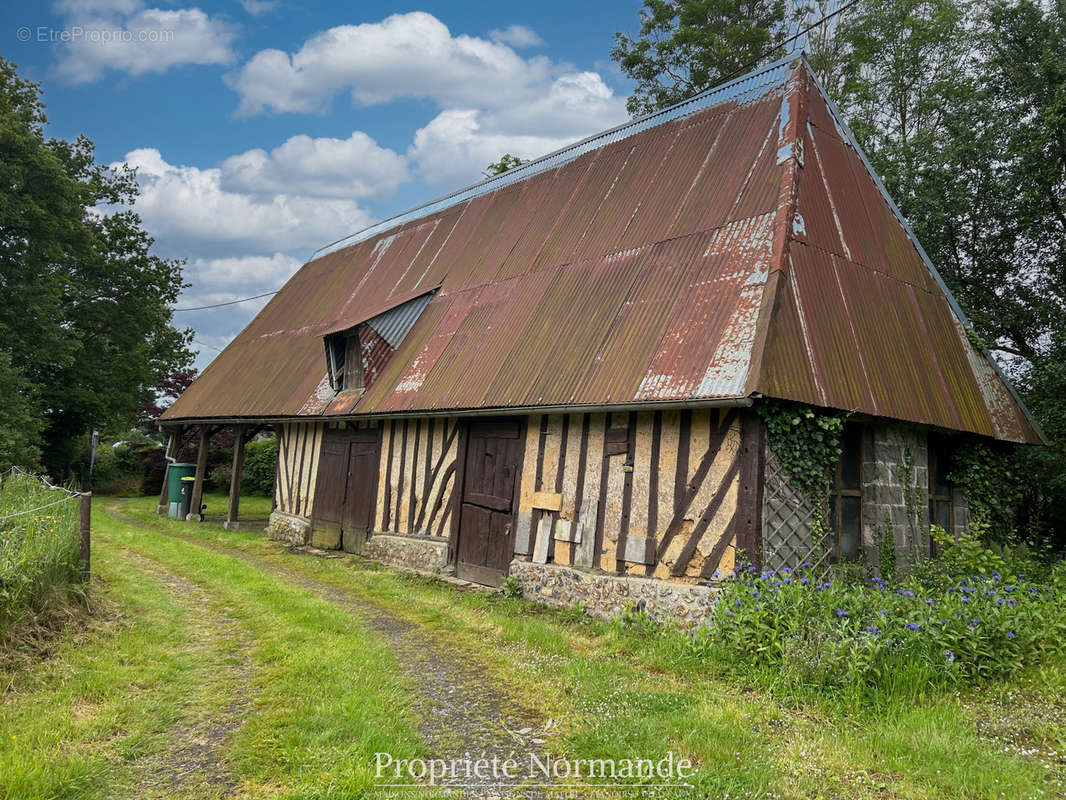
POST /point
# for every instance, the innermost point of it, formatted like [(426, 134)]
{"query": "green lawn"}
[(115, 705)]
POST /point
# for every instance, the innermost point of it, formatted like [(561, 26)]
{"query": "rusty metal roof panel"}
[(736, 243)]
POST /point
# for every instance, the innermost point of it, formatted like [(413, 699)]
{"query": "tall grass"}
[(39, 552)]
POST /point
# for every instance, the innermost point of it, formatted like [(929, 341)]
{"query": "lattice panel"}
[(787, 515)]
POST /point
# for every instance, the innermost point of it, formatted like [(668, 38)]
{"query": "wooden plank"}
[(85, 512), (611, 492), (750, 488), (625, 518), (540, 549), (383, 461), (201, 470), (572, 465), (317, 431), (416, 477), (233, 511), (529, 463)]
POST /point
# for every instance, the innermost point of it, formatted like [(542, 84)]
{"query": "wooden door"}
[(330, 484), (360, 489), (487, 512)]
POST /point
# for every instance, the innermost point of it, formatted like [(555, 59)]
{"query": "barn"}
[(557, 373)]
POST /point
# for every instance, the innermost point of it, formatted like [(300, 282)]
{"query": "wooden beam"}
[(164, 499), (232, 522), (201, 468), (85, 526)]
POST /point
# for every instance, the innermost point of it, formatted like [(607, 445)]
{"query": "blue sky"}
[(262, 129)]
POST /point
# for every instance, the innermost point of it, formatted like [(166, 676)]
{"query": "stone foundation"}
[(605, 596), (289, 528), (417, 553)]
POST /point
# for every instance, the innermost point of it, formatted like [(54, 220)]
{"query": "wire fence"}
[(45, 542)]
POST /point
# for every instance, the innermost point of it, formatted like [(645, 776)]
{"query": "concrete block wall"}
[(887, 482)]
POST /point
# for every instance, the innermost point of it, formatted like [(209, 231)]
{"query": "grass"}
[(39, 555), (114, 703)]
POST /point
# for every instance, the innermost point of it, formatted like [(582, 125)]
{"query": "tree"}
[(687, 46), (86, 321), (506, 162)]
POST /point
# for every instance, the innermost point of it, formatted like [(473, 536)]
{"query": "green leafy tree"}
[(86, 321), (687, 46), (506, 162)]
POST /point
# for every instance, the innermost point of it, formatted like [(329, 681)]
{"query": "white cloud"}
[(259, 7), (516, 36), (189, 213), (454, 148), (405, 55), (123, 36), (355, 167), (492, 100), (458, 144)]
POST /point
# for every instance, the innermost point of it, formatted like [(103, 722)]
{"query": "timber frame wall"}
[(667, 494)]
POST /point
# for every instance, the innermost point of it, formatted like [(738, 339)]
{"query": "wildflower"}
[(905, 592), (1008, 588), (883, 611), (716, 575), (928, 602), (913, 626), (805, 565), (873, 630), (841, 612), (1010, 634), (805, 581), (965, 599), (949, 656), (826, 585)]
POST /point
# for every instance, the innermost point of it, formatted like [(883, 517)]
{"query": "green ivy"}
[(807, 445), (993, 485)]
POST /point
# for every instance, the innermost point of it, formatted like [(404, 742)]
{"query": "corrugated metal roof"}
[(735, 244)]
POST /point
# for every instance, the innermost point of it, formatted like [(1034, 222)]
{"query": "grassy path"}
[(225, 666)]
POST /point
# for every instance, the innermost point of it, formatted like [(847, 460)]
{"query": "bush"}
[(39, 552), (260, 460), (220, 477), (936, 628)]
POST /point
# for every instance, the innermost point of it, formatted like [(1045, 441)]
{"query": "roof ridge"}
[(741, 86), (790, 149)]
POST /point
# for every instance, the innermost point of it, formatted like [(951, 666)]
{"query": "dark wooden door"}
[(330, 481), (486, 518), (360, 490)]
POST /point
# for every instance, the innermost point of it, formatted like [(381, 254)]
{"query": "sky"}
[(264, 129)]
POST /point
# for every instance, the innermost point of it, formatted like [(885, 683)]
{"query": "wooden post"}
[(232, 523), (164, 498), (201, 469), (86, 505)]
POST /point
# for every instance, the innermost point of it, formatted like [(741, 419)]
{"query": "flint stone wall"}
[(416, 553), (289, 528), (605, 596)]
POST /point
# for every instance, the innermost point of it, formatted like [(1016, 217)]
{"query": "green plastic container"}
[(175, 472)]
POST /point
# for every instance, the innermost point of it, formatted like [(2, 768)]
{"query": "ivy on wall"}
[(806, 442), (992, 483)]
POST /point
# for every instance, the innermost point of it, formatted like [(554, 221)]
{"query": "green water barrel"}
[(175, 473)]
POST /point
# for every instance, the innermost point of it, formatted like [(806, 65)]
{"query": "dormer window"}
[(356, 352)]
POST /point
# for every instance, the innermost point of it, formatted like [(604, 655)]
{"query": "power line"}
[(747, 67), (205, 344), (229, 302)]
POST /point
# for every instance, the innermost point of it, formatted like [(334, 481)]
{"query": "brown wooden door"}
[(360, 490), (486, 517), (331, 480)]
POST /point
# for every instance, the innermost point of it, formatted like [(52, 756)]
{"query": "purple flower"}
[(1010, 634), (841, 612), (873, 630), (883, 611), (805, 581), (965, 599), (826, 585), (905, 592), (913, 626)]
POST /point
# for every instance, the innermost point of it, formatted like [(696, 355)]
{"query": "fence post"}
[(86, 503)]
